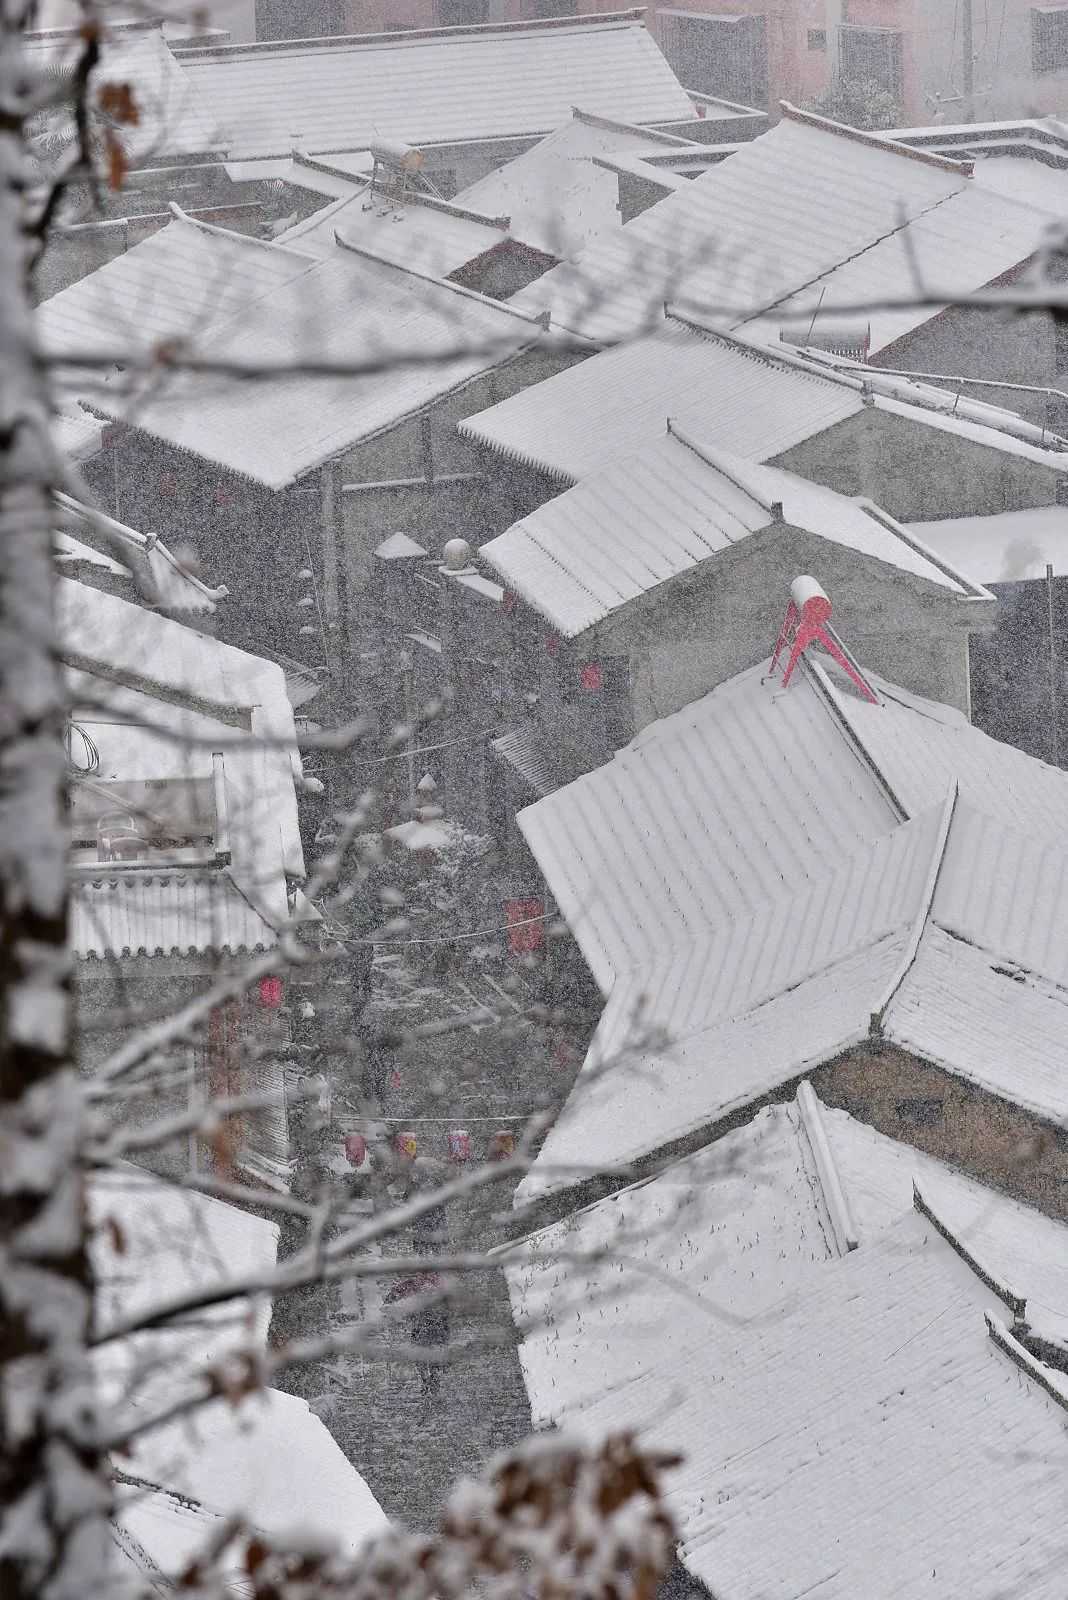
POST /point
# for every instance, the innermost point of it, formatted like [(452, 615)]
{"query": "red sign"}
[(526, 925)]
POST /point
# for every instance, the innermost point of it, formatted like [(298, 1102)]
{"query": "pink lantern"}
[(459, 1145), (270, 993), (407, 1145)]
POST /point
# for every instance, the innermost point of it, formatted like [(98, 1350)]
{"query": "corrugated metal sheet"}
[(171, 119), (783, 211), (873, 1431), (345, 308), (174, 913), (424, 238), (674, 505), (558, 200), (479, 84), (606, 408), (529, 757)]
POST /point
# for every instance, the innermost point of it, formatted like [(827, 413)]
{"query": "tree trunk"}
[(53, 1487)]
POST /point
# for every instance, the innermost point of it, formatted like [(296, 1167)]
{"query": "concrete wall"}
[(698, 631), (918, 472), (910, 1100)]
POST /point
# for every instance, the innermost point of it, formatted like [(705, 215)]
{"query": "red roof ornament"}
[(807, 621)]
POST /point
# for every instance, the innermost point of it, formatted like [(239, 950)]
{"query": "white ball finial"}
[(456, 554)]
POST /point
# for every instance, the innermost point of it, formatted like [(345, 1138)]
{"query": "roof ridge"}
[(1028, 1364), (613, 124), (536, 319), (874, 510), (876, 141), (810, 1110), (1016, 1303), (582, 23), (938, 855), (718, 461), (792, 356)]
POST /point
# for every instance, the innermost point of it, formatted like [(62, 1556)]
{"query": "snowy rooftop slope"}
[(882, 1391), (783, 211), (606, 408), (172, 120), (696, 873), (710, 1246), (270, 1460), (178, 588), (1004, 547), (449, 86), (76, 433), (346, 307), (967, 242), (151, 671), (559, 200), (176, 285), (435, 238), (669, 508)]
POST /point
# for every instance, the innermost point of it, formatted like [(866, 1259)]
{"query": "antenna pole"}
[(967, 54)]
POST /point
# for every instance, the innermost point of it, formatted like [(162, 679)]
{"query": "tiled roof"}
[(348, 307), (872, 1438), (434, 88), (696, 874), (965, 243), (783, 211), (559, 200), (713, 1243), (433, 238), (607, 407), (1004, 546), (670, 507), (175, 285), (171, 121), (176, 913)]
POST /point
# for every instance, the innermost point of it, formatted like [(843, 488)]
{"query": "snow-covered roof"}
[(443, 87), (429, 236), (757, 399), (276, 304), (399, 547), (177, 587), (172, 121), (1005, 546), (605, 408), (884, 1435), (152, 672), (671, 507), (557, 197), (76, 433), (747, 891), (270, 1460), (783, 211), (715, 1242), (968, 241)]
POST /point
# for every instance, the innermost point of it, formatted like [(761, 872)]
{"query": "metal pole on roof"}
[(967, 53), (1054, 698)]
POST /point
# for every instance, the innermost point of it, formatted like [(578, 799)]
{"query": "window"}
[(871, 55), (462, 13), (817, 38), (1049, 39), (726, 57), (532, 10)]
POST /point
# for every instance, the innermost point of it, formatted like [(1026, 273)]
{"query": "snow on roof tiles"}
[(881, 1389), (783, 211), (558, 199), (451, 86), (735, 1230), (429, 238), (1004, 546), (603, 409), (672, 506), (664, 864)]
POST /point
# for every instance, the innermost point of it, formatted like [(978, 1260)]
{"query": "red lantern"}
[(270, 993), (502, 1145), (510, 601), (224, 495), (355, 1149), (526, 926), (552, 644), (459, 1145), (406, 1145), (168, 485), (590, 677)]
